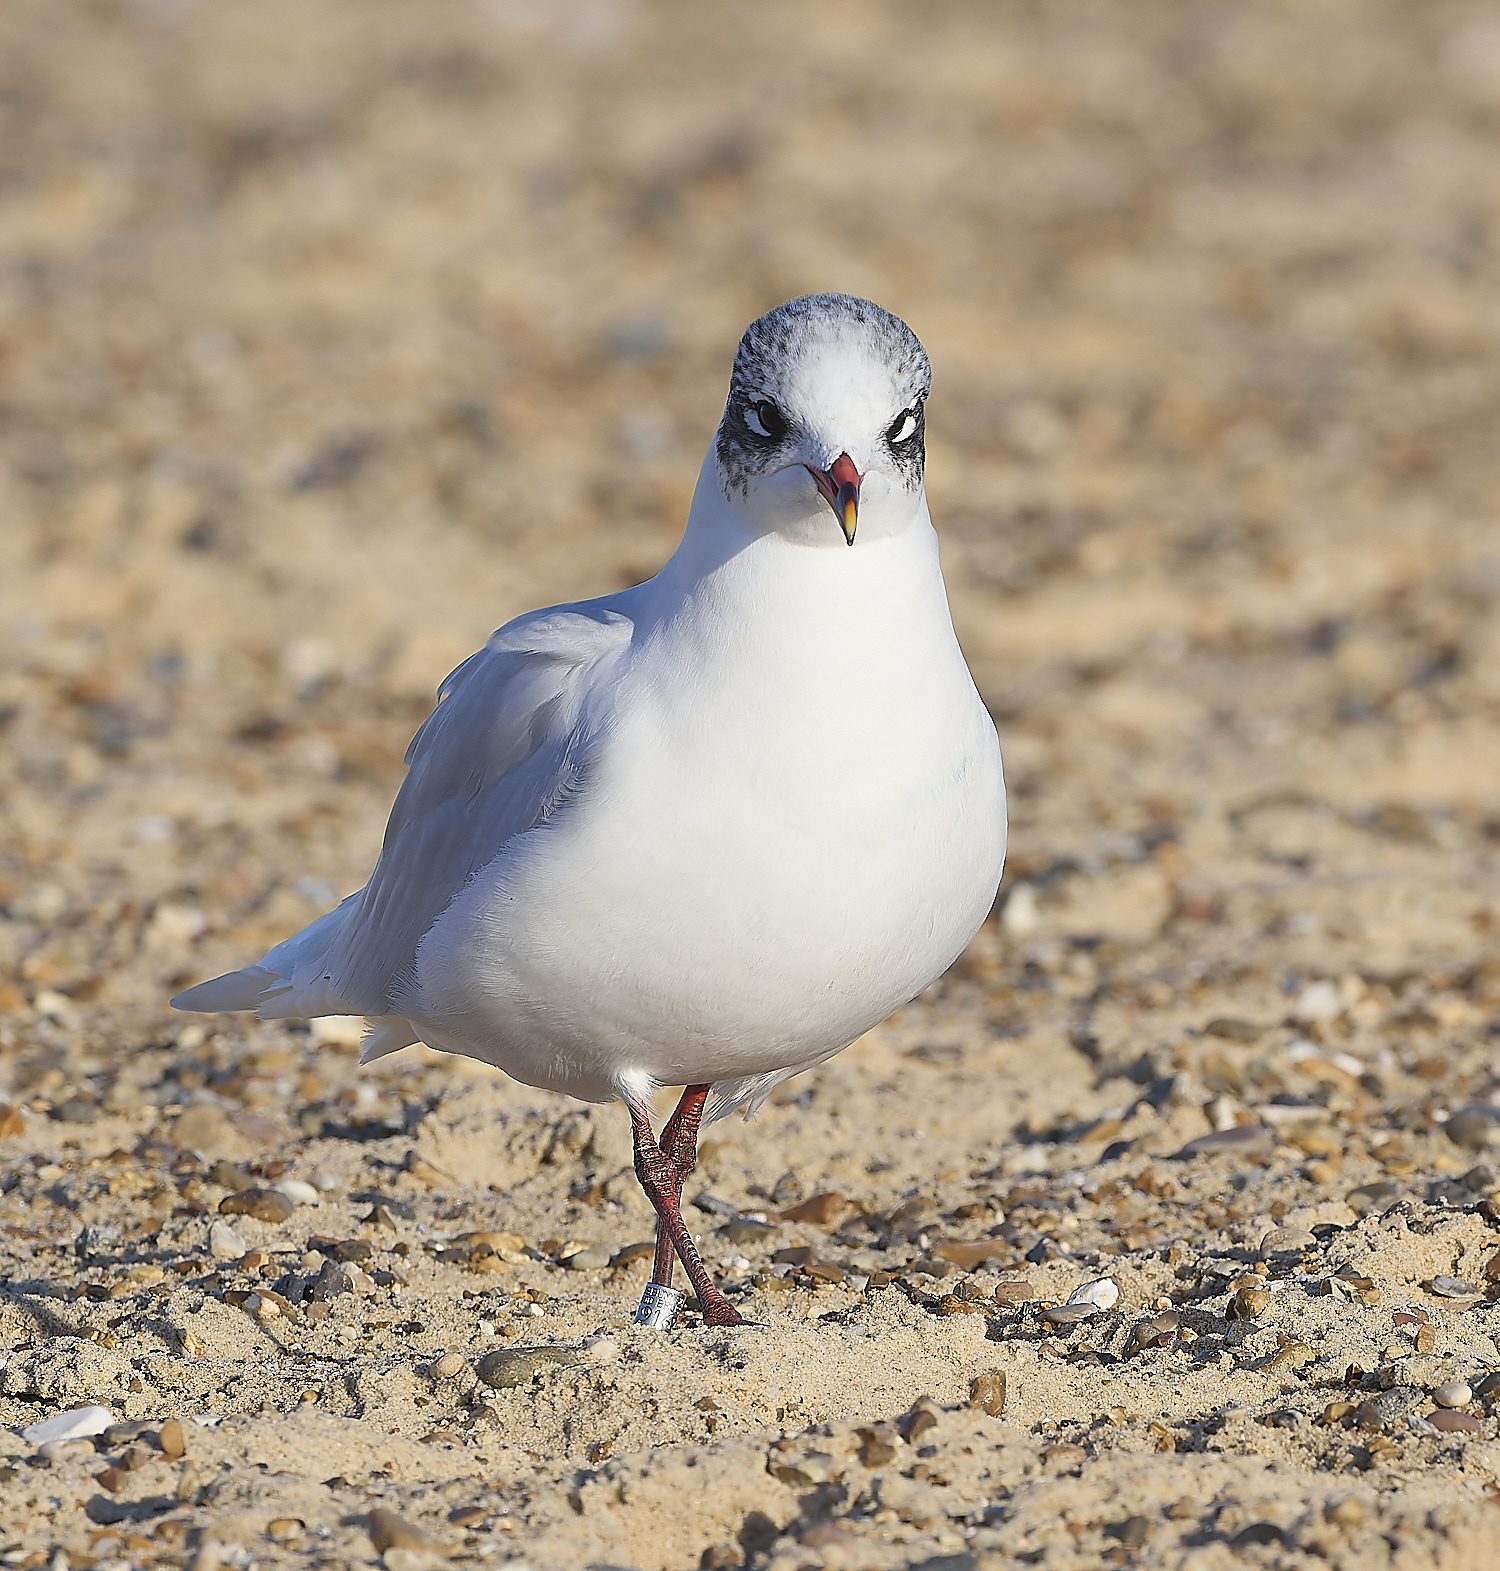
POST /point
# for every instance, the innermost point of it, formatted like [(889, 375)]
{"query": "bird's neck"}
[(788, 601)]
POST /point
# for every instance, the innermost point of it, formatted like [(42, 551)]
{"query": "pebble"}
[(449, 1365), (1242, 1140), (711, 1205), (77, 1423), (1069, 1314), (1020, 914), (633, 1252), (487, 1263), (1257, 1533), (1361, 1289), (423, 1171), (1248, 1303), (500, 1243), (952, 1304), (1158, 1331), (821, 1210), (171, 1440), (1065, 1454), (265, 1205), (333, 1278), (1286, 1241), (741, 1230), (224, 1243), (389, 1531), (1319, 1001), (1454, 1422), (1134, 1530), (592, 1257), (877, 1446), (1101, 1294), (601, 1349), (1373, 1199), (66, 1450), (1397, 1402), (344, 1250), (786, 1191), (298, 1191), (1014, 1292), (1234, 1030), (1346, 1511), (1453, 1287), (1292, 1356), (1475, 1127), (987, 1392), (98, 1240), (1452, 1393), (971, 1256), (514, 1366), (804, 1472)]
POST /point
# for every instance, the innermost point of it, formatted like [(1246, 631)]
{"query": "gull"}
[(708, 831)]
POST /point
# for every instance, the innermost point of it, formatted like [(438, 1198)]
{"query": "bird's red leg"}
[(679, 1144), (662, 1167)]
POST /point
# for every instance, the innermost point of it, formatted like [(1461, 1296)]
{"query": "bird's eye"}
[(765, 419), (903, 428)]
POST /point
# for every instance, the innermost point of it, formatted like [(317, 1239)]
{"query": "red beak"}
[(839, 487)]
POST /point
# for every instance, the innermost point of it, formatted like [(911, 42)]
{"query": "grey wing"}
[(505, 743)]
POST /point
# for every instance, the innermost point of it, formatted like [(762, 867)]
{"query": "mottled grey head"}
[(831, 385)]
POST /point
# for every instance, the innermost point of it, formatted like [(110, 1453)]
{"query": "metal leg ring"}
[(659, 1307)]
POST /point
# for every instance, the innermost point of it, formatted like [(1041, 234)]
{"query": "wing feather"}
[(509, 736)]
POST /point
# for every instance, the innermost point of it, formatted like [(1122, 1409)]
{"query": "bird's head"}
[(822, 434)]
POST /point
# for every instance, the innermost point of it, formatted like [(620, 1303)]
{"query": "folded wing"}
[(506, 744)]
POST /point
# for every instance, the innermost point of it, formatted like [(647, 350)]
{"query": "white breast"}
[(797, 822)]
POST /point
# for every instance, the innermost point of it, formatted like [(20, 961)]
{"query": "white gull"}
[(710, 830)]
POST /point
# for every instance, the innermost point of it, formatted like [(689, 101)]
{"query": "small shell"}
[(1102, 1294)]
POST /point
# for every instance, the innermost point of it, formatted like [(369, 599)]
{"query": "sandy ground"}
[(330, 338)]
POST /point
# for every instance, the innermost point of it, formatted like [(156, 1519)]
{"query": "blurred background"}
[(331, 337)]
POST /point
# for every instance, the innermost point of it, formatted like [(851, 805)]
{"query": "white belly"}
[(704, 924)]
